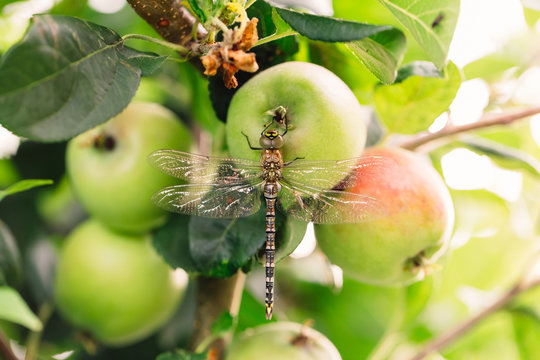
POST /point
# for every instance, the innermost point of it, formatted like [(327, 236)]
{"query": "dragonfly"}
[(219, 187)]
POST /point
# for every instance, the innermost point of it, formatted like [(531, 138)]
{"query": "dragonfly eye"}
[(265, 142), (277, 142)]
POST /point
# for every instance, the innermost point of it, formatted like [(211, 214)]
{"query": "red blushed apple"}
[(400, 246)]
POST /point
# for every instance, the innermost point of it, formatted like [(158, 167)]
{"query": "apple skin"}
[(327, 121), (115, 183), (282, 341), (115, 285), (418, 219)]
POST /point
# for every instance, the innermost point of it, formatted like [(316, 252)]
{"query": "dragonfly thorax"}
[(271, 139), (271, 164)]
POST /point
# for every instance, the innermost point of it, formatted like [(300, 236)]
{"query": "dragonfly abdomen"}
[(270, 191)]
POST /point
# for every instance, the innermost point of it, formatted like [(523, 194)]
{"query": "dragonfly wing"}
[(204, 169), (211, 200), (332, 174), (328, 206)]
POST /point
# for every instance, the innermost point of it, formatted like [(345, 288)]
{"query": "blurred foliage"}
[(411, 105), (493, 238)]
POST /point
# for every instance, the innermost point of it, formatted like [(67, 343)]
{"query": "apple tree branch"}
[(443, 340), (487, 120)]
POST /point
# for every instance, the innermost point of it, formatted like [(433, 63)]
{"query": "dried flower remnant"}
[(231, 56)]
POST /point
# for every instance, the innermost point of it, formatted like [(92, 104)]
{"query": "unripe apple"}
[(282, 341), (115, 286), (401, 245), (108, 167), (325, 120)]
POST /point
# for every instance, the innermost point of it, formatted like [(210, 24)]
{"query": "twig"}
[(178, 48), (214, 297), (34, 338), (174, 23), (170, 19), (486, 121), (5, 349), (445, 339)]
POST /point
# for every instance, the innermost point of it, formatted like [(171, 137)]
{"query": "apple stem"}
[(279, 116), (104, 142), (215, 296), (487, 120), (440, 342)]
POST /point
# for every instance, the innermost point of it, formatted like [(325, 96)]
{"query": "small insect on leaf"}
[(437, 20)]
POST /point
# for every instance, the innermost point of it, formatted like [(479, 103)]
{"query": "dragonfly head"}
[(271, 139)]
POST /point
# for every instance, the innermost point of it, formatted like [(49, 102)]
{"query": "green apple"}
[(325, 120), (114, 285), (282, 341), (400, 246), (108, 167)]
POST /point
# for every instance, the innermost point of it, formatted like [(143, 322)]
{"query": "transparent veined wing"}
[(199, 169), (331, 174), (327, 206), (211, 200)]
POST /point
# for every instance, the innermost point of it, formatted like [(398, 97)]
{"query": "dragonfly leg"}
[(293, 160), (249, 143)]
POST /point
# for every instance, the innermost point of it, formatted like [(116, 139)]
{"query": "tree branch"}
[(170, 19), (486, 121), (34, 338), (5, 349), (173, 22), (445, 339), (214, 297)]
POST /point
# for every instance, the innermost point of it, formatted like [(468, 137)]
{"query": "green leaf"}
[(517, 54), (325, 28), (319, 7), (171, 241), (14, 309), (23, 185), (224, 323), (432, 23), (411, 105), (218, 6), (527, 332), (282, 29), (66, 76), (416, 299), (381, 53), (3, 3), (504, 156), (420, 68), (201, 8), (182, 355), (379, 48), (10, 259), (220, 247)]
